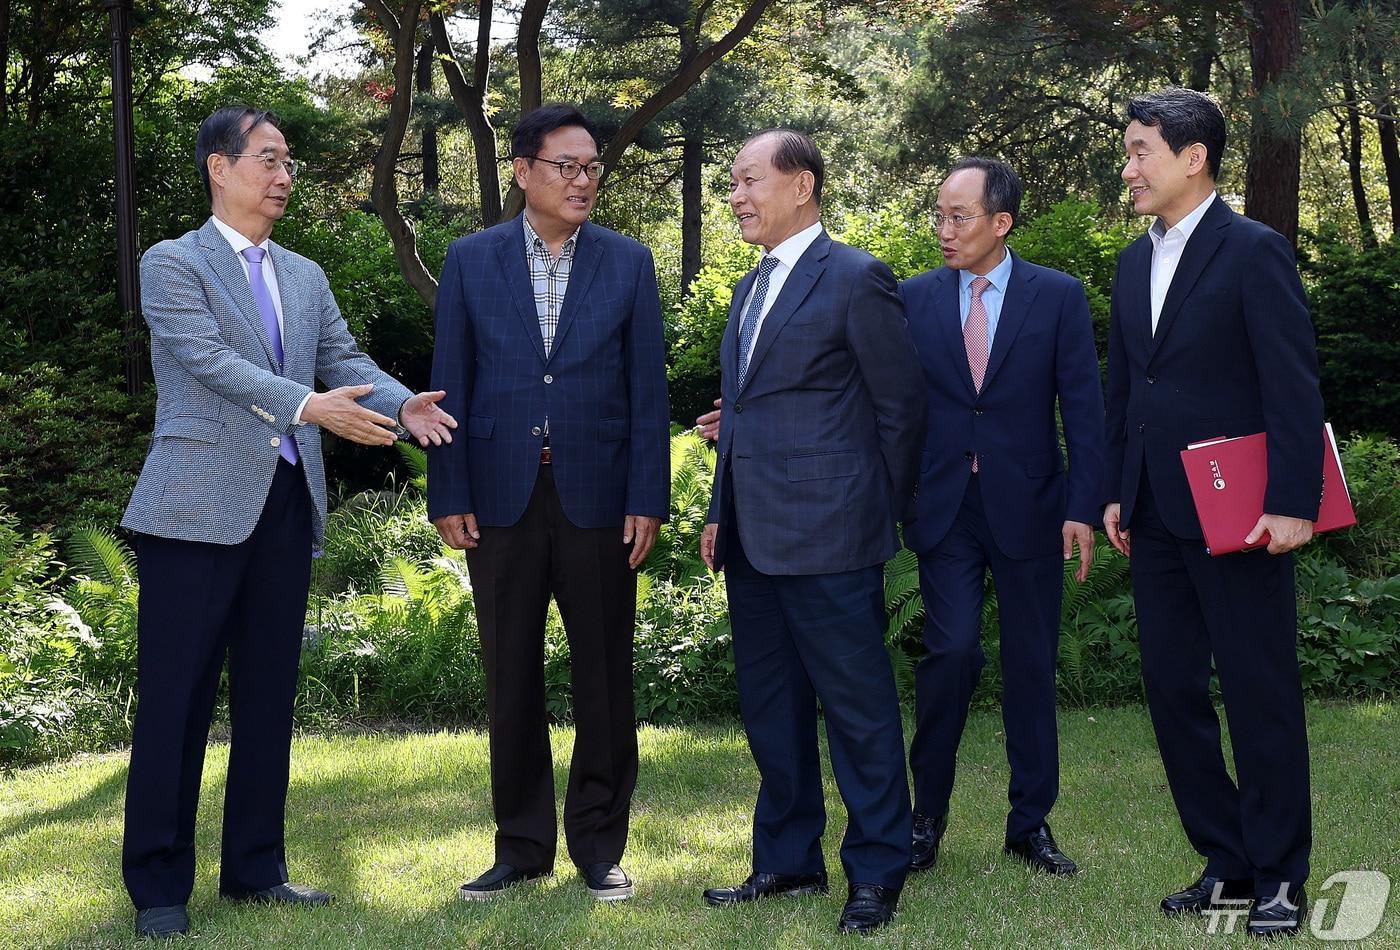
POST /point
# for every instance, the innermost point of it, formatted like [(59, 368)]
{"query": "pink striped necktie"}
[(975, 338)]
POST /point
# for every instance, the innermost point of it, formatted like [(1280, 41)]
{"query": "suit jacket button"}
[(1151, 379), (1142, 428), (274, 442), (548, 378), (967, 454), (536, 430), (977, 412), (738, 407)]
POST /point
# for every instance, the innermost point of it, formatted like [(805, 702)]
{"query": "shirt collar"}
[(999, 275), (534, 244), (790, 251), (1186, 226), (237, 241)]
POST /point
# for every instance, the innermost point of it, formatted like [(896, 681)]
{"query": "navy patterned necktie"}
[(750, 324)]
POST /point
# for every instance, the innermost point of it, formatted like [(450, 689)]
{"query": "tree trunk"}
[(1207, 41), (471, 102), (1390, 151), (384, 190), (1272, 175), (692, 204), (1349, 134), (432, 177), (5, 59)]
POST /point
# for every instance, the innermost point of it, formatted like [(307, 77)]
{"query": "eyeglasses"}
[(570, 170), (958, 221), (270, 162)]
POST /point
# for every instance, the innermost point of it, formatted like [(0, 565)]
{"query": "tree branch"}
[(471, 102)]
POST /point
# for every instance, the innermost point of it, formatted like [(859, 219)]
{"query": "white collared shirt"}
[(1167, 246), (788, 254), (239, 243)]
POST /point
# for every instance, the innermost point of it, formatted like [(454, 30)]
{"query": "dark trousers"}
[(951, 578), (513, 574), (798, 640), (198, 603), (1240, 610)]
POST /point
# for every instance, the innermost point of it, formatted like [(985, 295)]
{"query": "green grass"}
[(394, 823)]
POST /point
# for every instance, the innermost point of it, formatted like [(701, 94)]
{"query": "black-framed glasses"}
[(958, 221), (270, 162), (570, 170)]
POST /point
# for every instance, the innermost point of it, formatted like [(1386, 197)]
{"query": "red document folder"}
[(1228, 478)]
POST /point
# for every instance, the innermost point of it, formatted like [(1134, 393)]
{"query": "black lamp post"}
[(128, 286)]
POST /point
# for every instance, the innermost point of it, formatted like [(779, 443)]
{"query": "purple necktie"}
[(287, 446)]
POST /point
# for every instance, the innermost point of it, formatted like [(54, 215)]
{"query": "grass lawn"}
[(394, 823)]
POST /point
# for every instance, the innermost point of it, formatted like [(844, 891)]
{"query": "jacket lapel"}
[(1135, 294), (1200, 248), (947, 312), (235, 280), (795, 290), (1015, 306), (587, 253), (510, 251)]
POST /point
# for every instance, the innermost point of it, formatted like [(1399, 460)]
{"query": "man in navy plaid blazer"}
[(230, 502), (549, 343), (818, 451)]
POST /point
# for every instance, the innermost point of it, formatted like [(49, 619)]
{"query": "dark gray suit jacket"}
[(820, 448)]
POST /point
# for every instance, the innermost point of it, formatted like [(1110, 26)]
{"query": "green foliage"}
[(1372, 547), (909, 247), (1355, 298), (676, 555), (64, 683), (368, 530), (1348, 630), (694, 331)]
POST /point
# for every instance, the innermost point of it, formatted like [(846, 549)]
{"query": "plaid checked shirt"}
[(550, 278)]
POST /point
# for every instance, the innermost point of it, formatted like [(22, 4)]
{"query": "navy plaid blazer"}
[(602, 387)]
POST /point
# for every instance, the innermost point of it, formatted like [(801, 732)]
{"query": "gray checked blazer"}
[(221, 406)]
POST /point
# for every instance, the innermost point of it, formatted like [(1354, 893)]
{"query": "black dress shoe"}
[(607, 881), (928, 834), (1207, 890), (1038, 849), (495, 882), (284, 894), (869, 907), (760, 885), (1277, 916), (160, 922)]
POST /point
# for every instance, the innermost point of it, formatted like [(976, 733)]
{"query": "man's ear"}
[(520, 169), (1002, 222), (1197, 159), (806, 182)]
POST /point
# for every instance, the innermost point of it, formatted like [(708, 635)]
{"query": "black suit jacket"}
[(1234, 353)]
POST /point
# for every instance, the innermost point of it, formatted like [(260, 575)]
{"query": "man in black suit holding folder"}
[(1210, 337)]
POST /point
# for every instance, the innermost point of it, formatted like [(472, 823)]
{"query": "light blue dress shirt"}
[(991, 297)]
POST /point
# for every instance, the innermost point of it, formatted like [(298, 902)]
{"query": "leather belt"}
[(546, 456)]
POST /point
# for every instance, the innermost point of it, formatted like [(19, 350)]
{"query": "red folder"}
[(1228, 478)]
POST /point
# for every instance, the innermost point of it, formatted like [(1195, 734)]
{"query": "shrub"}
[(1372, 547), (694, 331), (1348, 630)]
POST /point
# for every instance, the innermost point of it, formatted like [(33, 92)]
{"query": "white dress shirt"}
[(788, 253), (240, 243), (1167, 245)]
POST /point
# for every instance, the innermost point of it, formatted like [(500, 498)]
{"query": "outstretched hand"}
[(425, 421)]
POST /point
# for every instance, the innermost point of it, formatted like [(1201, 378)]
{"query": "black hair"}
[(795, 153), (1183, 117), (1001, 188), (527, 138), (223, 133)]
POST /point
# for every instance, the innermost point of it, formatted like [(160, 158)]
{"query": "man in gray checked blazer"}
[(230, 502)]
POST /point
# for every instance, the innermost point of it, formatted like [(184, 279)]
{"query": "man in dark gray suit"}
[(818, 450), (230, 502)]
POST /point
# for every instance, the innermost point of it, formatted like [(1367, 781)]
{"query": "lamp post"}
[(128, 286)]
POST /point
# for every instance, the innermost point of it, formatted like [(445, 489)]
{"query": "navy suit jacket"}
[(602, 387), (1043, 352), (1234, 354), (821, 445)]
